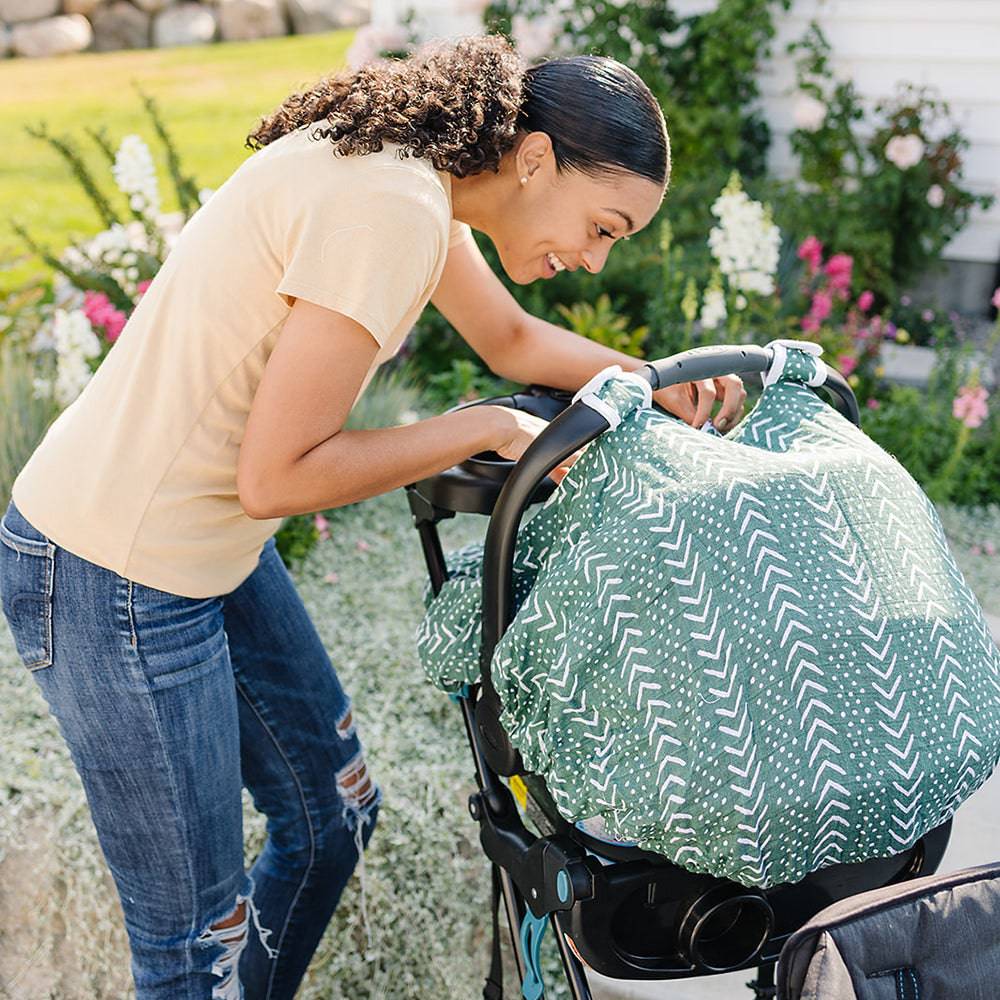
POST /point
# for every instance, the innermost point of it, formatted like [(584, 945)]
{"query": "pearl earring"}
[(524, 180)]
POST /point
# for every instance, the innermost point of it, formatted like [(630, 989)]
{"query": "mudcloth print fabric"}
[(751, 653)]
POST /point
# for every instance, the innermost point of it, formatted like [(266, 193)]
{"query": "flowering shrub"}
[(99, 281), (947, 436), (894, 200)]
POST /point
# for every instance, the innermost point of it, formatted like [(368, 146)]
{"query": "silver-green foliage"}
[(23, 418)]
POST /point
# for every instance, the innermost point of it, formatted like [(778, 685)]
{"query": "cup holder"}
[(489, 465), (724, 929)]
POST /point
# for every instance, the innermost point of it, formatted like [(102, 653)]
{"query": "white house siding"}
[(953, 45)]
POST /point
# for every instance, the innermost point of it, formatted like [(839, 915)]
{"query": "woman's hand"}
[(517, 429), (693, 401)]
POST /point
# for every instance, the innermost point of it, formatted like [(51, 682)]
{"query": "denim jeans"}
[(169, 705)]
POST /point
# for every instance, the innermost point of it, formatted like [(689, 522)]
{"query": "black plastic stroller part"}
[(623, 911)]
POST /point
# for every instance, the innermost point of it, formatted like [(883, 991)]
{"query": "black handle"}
[(575, 427)]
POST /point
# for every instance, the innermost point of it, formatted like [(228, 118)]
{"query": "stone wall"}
[(37, 28)]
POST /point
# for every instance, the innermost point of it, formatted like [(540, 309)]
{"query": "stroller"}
[(623, 911)]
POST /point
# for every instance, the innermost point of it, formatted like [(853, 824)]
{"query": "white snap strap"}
[(781, 347), (587, 393)]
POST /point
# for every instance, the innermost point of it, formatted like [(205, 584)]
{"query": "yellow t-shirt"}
[(138, 473)]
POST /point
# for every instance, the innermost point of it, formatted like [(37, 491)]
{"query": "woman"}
[(138, 570)]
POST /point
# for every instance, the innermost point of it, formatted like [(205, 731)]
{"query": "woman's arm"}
[(295, 456), (523, 348)]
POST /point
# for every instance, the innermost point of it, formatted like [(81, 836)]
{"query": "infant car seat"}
[(749, 657)]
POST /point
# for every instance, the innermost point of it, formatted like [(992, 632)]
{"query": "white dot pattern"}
[(751, 653)]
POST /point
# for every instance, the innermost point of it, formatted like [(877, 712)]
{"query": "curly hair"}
[(461, 104)]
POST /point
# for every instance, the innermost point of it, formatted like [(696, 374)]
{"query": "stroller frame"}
[(627, 913)]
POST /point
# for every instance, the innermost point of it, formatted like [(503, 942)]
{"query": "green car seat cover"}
[(753, 653)]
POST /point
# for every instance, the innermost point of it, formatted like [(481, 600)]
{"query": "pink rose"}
[(847, 363), (969, 405), (811, 251), (905, 151), (865, 300)]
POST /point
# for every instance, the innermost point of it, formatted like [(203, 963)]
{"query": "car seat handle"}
[(576, 426)]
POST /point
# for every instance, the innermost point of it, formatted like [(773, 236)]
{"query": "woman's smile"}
[(553, 265)]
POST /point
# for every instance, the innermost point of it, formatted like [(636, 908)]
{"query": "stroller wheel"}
[(725, 929)]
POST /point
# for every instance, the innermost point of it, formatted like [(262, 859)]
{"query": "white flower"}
[(741, 302), (74, 341), (41, 388), (409, 417), (204, 194), (42, 340), (65, 293), (808, 112), (904, 151), (713, 308), (73, 334), (135, 175), (746, 243), (935, 196)]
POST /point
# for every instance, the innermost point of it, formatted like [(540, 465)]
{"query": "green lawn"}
[(210, 97)]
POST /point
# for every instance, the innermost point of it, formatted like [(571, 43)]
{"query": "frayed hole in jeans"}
[(360, 796), (345, 724), (232, 936)]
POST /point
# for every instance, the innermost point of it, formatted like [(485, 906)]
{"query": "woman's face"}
[(564, 220)]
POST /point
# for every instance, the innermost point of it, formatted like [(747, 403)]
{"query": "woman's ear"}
[(534, 153)]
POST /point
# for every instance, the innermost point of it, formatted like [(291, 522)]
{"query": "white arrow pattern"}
[(753, 655)]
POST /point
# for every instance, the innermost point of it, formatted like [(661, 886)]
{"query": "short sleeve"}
[(368, 255), (459, 233)]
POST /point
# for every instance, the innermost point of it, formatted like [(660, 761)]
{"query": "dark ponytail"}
[(462, 104), (599, 115)]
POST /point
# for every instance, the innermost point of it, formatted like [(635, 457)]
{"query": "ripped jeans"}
[(169, 705)]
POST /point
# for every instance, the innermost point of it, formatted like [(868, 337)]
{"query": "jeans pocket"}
[(27, 565)]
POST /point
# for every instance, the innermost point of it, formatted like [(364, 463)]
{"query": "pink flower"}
[(811, 251), (822, 303), (847, 363), (996, 299), (838, 270), (989, 548), (975, 550), (331, 578), (142, 286), (361, 545), (101, 313), (865, 300), (969, 405), (114, 324), (322, 526), (873, 404), (810, 324)]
